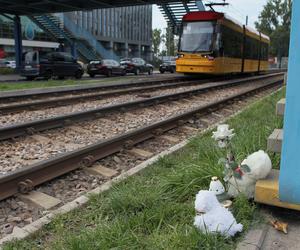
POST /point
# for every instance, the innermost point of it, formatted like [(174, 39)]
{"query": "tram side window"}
[(264, 51), (251, 48), (256, 49), (238, 45), (248, 48), (232, 42)]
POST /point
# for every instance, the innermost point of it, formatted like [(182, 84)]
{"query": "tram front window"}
[(197, 37)]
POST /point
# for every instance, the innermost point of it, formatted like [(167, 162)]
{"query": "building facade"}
[(33, 37), (125, 31)]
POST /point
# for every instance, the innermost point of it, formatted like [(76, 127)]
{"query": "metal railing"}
[(63, 28), (86, 36), (173, 12)]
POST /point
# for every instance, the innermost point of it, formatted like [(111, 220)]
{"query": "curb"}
[(254, 239)]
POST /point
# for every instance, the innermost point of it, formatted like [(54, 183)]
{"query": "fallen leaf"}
[(279, 225)]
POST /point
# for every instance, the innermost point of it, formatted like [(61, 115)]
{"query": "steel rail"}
[(24, 180), (74, 99), (67, 120)]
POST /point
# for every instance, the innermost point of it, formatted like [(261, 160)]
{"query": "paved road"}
[(11, 78)]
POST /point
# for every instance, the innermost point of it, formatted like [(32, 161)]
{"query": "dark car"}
[(105, 67), (169, 66), (50, 64), (137, 66)]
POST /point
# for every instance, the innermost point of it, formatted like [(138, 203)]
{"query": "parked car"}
[(137, 66), (7, 64), (50, 64), (105, 67), (10, 64), (169, 66)]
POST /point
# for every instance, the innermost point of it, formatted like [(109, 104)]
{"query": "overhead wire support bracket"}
[(210, 5)]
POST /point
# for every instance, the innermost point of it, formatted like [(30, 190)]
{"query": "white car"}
[(10, 64)]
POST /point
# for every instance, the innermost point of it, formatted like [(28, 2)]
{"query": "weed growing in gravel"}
[(155, 209)]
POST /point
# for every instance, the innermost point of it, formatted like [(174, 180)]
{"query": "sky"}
[(238, 9)]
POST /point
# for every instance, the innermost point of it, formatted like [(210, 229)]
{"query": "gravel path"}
[(26, 116), (27, 150), (86, 92)]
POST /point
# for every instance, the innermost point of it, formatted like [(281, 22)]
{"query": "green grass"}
[(6, 71), (155, 209), (8, 86)]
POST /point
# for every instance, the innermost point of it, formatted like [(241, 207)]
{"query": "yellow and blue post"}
[(289, 178)]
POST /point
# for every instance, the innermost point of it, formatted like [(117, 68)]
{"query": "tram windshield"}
[(197, 37)]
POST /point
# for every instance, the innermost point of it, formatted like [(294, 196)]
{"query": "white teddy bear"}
[(213, 217), (259, 166)]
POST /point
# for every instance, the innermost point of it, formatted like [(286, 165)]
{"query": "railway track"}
[(25, 179), (69, 119), (37, 98), (32, 94), (63, 101)]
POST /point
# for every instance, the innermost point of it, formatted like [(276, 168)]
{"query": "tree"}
[(275, 21), (157, 39), (170, 42)]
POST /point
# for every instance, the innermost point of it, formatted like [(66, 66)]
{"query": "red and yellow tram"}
[(213, 43)]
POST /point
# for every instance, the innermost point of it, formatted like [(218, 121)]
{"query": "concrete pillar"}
[(18, 42), (139, 50), (126, 48), (148, 52), (289, 179), (111, 49), (74, 49)]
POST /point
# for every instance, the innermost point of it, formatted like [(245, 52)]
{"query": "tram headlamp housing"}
[(210, 58)]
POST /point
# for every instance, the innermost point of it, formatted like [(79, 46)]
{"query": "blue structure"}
[(18, 41), (289, 178)]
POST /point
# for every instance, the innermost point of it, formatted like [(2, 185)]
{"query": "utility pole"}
[(247, 20)]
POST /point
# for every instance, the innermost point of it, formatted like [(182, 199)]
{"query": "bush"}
[(156, 62), (6, 71)]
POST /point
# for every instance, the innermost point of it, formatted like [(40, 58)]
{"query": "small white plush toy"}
[(213, 217), (259, 166), (223, 135)]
